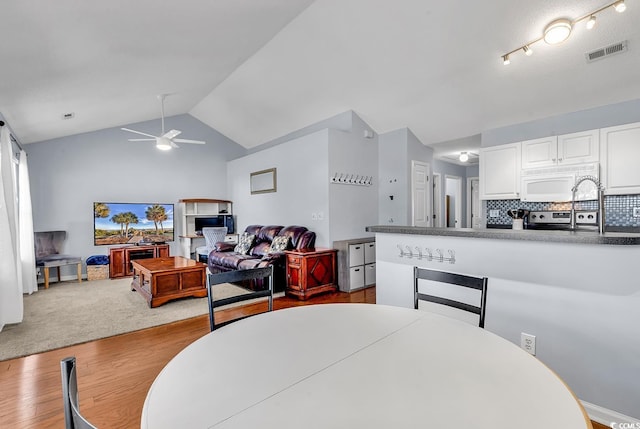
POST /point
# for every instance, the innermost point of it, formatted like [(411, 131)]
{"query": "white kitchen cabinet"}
[(500, 172), (619, 154), (567, 149), (356, 263), (540, 152)]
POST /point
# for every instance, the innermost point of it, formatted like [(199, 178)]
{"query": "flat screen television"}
[(132, 223)]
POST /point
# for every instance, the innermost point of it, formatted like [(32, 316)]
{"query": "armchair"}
[(48, 247)]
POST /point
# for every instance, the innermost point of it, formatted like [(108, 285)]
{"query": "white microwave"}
[(553, 184)]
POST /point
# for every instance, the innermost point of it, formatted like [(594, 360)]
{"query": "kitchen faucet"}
[(596, 182)]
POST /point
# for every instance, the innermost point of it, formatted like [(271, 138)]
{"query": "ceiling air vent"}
[(616, 48)]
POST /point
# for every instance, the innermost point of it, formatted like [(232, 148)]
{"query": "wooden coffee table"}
[(160, 280)]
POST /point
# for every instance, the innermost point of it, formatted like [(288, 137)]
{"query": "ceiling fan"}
[(164, 141)]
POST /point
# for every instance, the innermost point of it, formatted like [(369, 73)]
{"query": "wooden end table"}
[(311, 272), (160, 280)]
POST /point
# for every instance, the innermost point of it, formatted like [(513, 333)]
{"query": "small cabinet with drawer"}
[(356, 263), (310, 272)]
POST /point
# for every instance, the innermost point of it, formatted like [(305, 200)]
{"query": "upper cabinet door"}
[(500, 172), (540, 152), (619, 154), (579, 148)]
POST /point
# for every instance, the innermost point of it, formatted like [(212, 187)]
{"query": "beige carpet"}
[(71, 313)]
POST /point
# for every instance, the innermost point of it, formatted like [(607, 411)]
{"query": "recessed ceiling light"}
[(464, 157)]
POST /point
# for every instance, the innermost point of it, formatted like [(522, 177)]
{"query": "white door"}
[(420, 195), (437, 200), (474, 219)]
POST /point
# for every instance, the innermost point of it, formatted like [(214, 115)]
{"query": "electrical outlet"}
[(636, 212), (528, 343), (494, 213)]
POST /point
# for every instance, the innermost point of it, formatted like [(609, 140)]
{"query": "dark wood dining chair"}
[(455, 280), (72, 417), (236, 277)]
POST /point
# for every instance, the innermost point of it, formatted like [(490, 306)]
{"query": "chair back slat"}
[(461, 280), (235, 277)]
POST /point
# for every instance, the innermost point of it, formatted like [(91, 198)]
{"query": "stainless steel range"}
[(561, 219)]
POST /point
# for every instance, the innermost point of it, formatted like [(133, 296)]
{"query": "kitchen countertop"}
[(579, 236)]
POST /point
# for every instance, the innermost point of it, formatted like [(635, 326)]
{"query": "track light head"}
[(527, 50), (505, 60), (620, 6), (591, 22)]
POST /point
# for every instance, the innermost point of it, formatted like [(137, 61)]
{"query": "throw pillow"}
[(279, 244), (244, 243)]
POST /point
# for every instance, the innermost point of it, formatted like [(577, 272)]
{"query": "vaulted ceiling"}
[(258, 69)]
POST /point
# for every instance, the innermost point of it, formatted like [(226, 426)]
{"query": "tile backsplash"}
[(618, 209)]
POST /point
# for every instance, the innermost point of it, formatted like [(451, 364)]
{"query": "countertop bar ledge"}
[(577, 237)]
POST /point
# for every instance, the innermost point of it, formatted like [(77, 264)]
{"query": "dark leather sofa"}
[(224, 258)]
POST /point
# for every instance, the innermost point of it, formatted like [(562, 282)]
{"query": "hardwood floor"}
[(114, 374)]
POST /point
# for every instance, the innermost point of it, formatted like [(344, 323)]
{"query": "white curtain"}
[(25, 219), (11, 308)]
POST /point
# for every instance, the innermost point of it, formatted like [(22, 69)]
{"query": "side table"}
[(311, 272)]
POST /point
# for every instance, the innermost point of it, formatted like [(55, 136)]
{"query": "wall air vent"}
[(607, 51)]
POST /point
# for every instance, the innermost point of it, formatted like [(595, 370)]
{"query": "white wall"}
[(352, 208), (302, 189), (392, 156), (69, 174)]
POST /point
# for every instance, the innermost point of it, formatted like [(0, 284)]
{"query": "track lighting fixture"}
[(559, 30)]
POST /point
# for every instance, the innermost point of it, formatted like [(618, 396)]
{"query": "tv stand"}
[(120, 257)]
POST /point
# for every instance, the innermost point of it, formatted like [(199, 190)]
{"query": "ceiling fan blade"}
[(171, 134), (189, 141), (173, 144), (142, 140), (138, 132)]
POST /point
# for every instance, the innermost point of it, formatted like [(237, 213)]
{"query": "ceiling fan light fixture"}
[(163, 143), (557, 32), (464, 157)]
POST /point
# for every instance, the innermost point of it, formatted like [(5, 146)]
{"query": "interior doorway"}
[(420, 194), (474, 211), (453, 201)]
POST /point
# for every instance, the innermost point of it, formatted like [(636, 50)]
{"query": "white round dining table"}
[(357, 366)]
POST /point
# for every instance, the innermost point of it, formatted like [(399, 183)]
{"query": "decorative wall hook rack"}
[(428, 254), (351, 179)]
